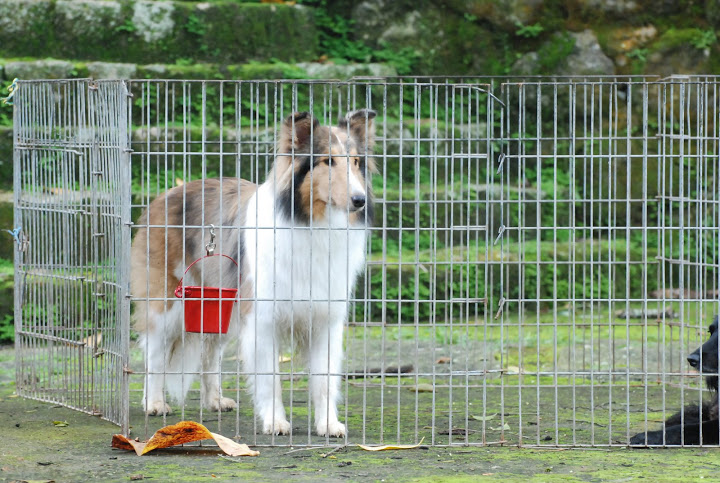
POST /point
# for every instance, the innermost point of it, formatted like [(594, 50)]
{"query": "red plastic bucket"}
[(207, 309)]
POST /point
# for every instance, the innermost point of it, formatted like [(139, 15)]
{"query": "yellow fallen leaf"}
[(483, 418), (388, 447), (179, 182), (180, 433), (233, 448), (504, 427), (61, 424), (443, 360), (285, 359)]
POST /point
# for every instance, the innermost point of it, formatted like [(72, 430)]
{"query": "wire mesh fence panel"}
[(689, 222), (459, 261), (71, 309), (423, 285), (595, 336)]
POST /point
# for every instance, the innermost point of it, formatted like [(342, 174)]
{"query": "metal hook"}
[(501, 305), (210, 247), (501, 160), (501, 230)]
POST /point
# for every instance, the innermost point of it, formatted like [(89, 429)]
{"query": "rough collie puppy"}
[(694, 424), (300, 241)]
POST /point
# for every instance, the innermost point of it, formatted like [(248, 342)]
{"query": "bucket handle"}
[(178, 289)]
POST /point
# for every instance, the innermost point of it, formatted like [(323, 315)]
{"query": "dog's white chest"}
[(307, 267)]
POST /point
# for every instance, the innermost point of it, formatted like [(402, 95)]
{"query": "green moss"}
[(554, 52), (555, 15), (254, 35), (256, 70), (223, 32), (695, 37), (27, 29)]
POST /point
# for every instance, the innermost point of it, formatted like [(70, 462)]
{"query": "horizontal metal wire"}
[(543, 249)]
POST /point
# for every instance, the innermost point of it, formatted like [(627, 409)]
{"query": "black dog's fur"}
[(700, 426)]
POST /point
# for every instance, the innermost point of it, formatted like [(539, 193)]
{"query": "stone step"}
[(146, 32), (67, 69)]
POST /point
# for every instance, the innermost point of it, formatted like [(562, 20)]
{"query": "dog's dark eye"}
[(357, 161), (329, 161)]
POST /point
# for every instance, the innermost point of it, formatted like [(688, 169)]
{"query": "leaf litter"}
[(388, 447), (181, 433)]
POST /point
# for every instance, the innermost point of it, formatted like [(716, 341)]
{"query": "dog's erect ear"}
[(298, 128), (361, 126)]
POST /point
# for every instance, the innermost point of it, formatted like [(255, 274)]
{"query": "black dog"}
[(700, 426)]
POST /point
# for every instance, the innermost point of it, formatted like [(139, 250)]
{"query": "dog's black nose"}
[(694, 360), (358, 201)]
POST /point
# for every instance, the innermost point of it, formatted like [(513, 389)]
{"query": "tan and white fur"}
[(300, 241)]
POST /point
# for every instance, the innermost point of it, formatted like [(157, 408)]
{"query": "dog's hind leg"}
[(154, 401), (170, 361), (158, 342), (325, 361), (260, 353), (213, 348)]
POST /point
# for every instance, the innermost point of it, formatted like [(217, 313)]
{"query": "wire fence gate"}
[(543, 258)]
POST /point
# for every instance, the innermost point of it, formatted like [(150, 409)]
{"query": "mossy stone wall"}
[(145, 32)]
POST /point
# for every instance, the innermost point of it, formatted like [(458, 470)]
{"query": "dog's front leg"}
[(325, 360), (260, 358)]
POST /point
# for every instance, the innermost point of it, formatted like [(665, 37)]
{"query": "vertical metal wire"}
[(69, 159), (597, 197)]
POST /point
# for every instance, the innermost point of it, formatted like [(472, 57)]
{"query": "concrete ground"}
[(34, 447)]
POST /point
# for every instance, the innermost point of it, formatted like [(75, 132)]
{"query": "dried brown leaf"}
[(233, 448), (181, 433)]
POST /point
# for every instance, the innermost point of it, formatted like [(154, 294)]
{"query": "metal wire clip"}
[(210, 247)]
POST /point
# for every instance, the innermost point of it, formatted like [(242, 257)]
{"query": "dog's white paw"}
[(279, 426), (333, 429), (221, 404), (157, 408)]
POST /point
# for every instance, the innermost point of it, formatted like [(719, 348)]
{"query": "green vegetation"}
[(554, 52), (426, 269), (7, 329), (338, 42), (162, 32), (704, 39), (529, 31), (7, 324), (673, 37)]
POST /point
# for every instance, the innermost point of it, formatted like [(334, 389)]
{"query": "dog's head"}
[(705, 357), (325, 167)]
